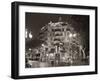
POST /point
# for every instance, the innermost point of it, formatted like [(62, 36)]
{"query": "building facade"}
[(60, 45)]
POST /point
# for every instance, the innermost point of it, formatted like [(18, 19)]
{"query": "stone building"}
[(60, 44)]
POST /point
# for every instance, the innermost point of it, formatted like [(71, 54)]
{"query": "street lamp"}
[(74, 35), (30, 49), (30, 35), (70, 35), (43, 45)]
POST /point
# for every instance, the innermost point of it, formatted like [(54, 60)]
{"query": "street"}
[(35, 64)]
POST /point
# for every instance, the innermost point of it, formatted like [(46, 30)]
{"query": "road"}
[(35, 64)]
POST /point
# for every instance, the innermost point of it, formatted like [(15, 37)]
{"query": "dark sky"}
[(35, 21)]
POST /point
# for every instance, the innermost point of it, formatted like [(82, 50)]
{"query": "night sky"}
[(35, 21)]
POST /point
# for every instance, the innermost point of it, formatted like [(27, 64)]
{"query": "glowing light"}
[(47, 54), (74, 35), (30, 35), (30, 49), (43, 45), (70, 35)]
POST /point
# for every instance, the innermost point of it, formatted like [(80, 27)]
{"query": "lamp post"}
[(28, 35), (71, 36), (44, 53)]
